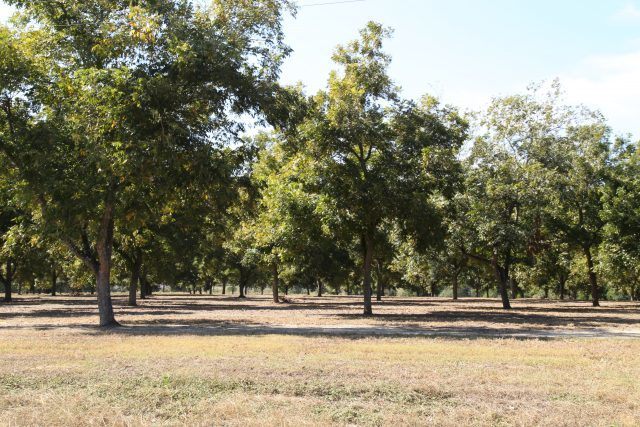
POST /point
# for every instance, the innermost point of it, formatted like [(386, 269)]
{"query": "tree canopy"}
[(147, 145)]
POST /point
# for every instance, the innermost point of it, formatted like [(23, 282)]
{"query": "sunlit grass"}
[(79, 379)]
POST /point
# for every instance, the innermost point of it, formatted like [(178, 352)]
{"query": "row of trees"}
[(126, 161)]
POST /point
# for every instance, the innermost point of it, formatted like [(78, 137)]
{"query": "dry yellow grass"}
[(58, 371)]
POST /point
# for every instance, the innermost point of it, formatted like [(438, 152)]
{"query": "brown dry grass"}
[(196, 366)]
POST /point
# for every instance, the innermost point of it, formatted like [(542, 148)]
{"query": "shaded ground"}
[(333, 315)]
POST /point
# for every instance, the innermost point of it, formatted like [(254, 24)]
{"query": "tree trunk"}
[(562, 281), (241, 286), (276, 283), (502, 276), (32, 285), (103, 269), (319, 288), (135, 278), (593, 280), (7, 292), (455, 286), (224, 285), (504, 295), (143, 285), (241, 290), (54, 282), (366, 273), (242, 282), (8, 281), (379, 283)]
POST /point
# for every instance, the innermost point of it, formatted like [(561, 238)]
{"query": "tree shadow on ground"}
[(523, 317), (206, 328), (483, 317)]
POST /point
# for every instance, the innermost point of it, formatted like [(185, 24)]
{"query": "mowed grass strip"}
[(107, 379)]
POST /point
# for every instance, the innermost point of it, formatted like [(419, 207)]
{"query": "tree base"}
[(111, 325)]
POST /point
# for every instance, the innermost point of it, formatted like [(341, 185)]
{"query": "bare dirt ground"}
[(331, 315), (212, 360)]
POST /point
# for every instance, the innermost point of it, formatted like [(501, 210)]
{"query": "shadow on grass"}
[(500, 317), (530, 319), (209, 328)]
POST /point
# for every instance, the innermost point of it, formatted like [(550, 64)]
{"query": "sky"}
[(467, 51)]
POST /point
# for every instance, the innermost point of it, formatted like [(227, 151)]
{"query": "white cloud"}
[(629, 13), (610, 83)]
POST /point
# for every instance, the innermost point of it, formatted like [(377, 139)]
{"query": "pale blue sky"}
[(466, 51)]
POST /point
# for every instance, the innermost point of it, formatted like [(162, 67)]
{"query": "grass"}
[(58, 371)]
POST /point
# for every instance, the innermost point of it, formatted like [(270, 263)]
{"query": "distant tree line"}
[(148, 144)]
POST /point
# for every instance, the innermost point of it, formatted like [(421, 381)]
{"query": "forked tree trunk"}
[(103, 269), (593, 280), (366, 272), (276, 283)]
